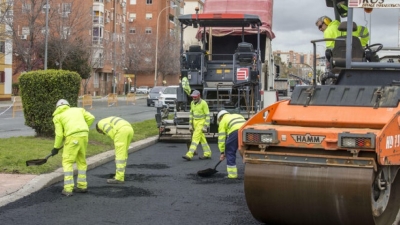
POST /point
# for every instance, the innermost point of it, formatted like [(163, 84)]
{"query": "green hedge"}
[(40, 90)]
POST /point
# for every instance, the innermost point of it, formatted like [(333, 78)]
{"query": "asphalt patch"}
[(218, 178), (156, 166), (134, 177), (119, 191)]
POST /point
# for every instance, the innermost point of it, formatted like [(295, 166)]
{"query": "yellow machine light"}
[(367, 143), (227, 71), (219, 71)]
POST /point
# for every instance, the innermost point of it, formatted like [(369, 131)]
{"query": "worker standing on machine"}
[(72, 126), (185, 84), (228, 126), (121, 132), (199, 122)]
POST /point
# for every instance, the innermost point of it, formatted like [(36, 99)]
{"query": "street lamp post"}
[(47, 34), (156, 63)]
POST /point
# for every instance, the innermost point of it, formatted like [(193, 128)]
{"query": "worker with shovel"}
[(72, 126), (228, 126), (121, 132)]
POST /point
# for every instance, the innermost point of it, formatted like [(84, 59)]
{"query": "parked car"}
[(142, 90), (168, 96), (154, 94), (132, 89)]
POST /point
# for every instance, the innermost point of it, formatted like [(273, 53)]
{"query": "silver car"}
[(154, 94)]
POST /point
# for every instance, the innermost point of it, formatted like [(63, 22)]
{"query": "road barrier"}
[(112, 99), (17, 105), (131, 98), (87, 100)]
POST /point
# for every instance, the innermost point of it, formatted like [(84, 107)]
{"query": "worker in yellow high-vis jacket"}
[(228, 126), (199, 122), (71, 126), (121, 132)]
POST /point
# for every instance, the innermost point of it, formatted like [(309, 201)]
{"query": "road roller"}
[(331, 153)]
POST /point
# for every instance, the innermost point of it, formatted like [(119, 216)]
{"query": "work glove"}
[(54, 151), (191, 128), (205, 129)]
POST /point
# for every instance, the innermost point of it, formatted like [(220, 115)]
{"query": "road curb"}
[(45, 180)]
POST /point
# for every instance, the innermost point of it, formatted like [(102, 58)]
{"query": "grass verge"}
[(15, 151)]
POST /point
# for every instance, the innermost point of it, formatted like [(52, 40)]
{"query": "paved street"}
[(160, 188)]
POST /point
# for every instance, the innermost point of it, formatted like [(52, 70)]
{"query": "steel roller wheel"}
[(292, 194)]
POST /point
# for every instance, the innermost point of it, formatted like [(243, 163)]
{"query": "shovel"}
[(37, 162), (208, 172)]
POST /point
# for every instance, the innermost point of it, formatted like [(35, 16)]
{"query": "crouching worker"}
[(228, 127), (121, 132), (72, 126)]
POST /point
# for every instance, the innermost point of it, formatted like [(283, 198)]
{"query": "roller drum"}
[(313, 194)]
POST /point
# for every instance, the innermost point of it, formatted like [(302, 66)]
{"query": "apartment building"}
[(106, 27), (5, 54), (303, 62)]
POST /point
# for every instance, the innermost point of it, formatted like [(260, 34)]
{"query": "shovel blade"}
[(207, 172), (36, 162)]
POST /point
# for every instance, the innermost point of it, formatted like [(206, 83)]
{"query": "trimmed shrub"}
[(40, 90)]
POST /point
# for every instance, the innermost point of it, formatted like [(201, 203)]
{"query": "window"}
[(65, 8), (2, 77), (66, 31), (149, 2), (148, 30), (132, 30), (149, 16), (132, 16), (96, 80), (26, 8), (2, 47), (25, 31), (132, 2)]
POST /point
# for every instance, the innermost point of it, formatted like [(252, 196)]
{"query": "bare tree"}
[(69, 27), (139, 54), (169, 56), (27, 29)]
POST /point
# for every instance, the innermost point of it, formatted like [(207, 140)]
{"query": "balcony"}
[(97, 40), (98, 20)]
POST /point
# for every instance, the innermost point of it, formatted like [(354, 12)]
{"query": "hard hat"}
[(222, 112), (62, 102)]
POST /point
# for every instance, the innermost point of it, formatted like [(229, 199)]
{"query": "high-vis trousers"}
[(74, 151), (122, 141), (198, 137), (231, 146)]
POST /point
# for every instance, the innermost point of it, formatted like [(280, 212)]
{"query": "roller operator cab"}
[(227, 77), (330, 154)]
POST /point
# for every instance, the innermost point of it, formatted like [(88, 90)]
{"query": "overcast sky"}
[(294, 24)]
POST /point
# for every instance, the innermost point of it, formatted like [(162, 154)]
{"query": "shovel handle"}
[(217, 164)]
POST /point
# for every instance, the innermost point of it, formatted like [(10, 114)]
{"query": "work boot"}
[(80, 190), (204, 157), (114, 181), (186, 157), (66, 193)]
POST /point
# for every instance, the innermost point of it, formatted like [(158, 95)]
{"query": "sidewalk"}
[(16, 186)]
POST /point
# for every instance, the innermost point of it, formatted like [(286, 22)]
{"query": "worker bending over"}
[(72, 127), (228, 126), (121, 132)]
